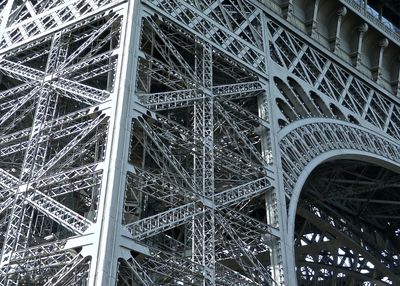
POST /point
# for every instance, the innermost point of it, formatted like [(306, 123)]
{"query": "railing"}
[(373, 16)]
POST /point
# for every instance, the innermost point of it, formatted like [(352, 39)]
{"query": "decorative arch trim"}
[(306, 121), (304, 142), (307, 143)]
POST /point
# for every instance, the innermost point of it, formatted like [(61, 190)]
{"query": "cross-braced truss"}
[(348, 224), (161, 142)]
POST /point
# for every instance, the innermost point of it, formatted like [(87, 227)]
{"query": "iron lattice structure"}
[(166, 142)]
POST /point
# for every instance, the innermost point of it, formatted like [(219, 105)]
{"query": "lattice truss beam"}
[(315, 85), (333, 109), (348, 225), (200, 197), (324, 107), (57, 68), (200, 157)]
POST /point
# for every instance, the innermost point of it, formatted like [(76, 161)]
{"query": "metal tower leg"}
[(106, 248)]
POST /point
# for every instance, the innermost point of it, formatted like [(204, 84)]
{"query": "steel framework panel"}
[(161, 142)]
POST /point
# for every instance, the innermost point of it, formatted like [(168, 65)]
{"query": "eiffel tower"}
[(199, 142)]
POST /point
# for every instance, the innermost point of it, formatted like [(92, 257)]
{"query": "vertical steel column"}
[(275, 203), (106, 249), (203, 228)]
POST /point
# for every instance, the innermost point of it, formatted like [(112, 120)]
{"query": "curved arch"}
[(307, 144), (322, 158), (310, 139), (317, 141), (328, 156), (307, 121)]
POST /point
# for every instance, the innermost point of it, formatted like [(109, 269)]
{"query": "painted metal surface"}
[(166, 142)]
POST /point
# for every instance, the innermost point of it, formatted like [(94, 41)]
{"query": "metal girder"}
[(73, 89), (183, 214), (217, 31), (256, 270), (161, 142), (333, 82), (322, 137), (59, 212), (72, 273), (52, 15), (343, 239), (49, 110), (139, 271)]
